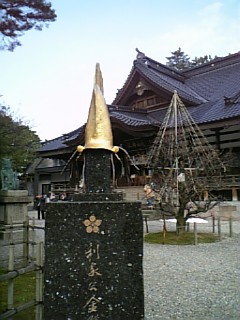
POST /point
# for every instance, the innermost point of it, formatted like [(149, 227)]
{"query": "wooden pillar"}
[(234, 194)]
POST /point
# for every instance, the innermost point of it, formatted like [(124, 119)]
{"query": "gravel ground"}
[(193, 282)]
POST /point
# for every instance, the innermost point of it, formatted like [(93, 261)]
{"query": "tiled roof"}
[(211, 111), (57, 143), (130, 117), (207, 112), (162, 69), (62, 141), (217, 83), (169, 83), (212, 91)]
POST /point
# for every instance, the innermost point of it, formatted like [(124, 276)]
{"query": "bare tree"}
[(186, 167)]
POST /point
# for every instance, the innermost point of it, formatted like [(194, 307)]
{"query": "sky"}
[(48, 81)]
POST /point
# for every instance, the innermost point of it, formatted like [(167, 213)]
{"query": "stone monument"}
[(94, 243), (13, 202)]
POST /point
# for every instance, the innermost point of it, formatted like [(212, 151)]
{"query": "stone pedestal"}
[(93, 259), (13, 209), (13, 206), (13, 213), (94, 251)]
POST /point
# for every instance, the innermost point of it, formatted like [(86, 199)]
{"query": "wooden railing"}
[(228, 181), (32, 264)]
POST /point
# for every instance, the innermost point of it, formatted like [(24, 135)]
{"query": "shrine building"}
[(211, 94)]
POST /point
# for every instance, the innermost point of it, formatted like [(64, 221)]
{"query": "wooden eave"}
[(128, 88), (221, 123)]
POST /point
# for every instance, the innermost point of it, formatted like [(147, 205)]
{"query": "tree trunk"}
[(181, 221)]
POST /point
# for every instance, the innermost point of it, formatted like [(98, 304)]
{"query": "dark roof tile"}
[(131, 118), (169, 83), (57, 143), (62, 141), (217, 83), (207, 112)]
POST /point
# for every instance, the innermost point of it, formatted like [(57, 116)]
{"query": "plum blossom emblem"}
[(92, 224)]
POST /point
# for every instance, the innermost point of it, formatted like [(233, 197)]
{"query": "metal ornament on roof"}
[(182, 154), (140, 88)]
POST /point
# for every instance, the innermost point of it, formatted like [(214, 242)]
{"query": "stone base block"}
[(13, 206), (93, 261)]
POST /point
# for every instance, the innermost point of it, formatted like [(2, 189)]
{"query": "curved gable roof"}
[(169, 83), (162, 77)]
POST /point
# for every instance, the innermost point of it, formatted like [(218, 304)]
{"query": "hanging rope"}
[(68, 162)]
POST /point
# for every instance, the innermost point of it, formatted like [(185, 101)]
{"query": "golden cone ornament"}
[(98, 131)]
